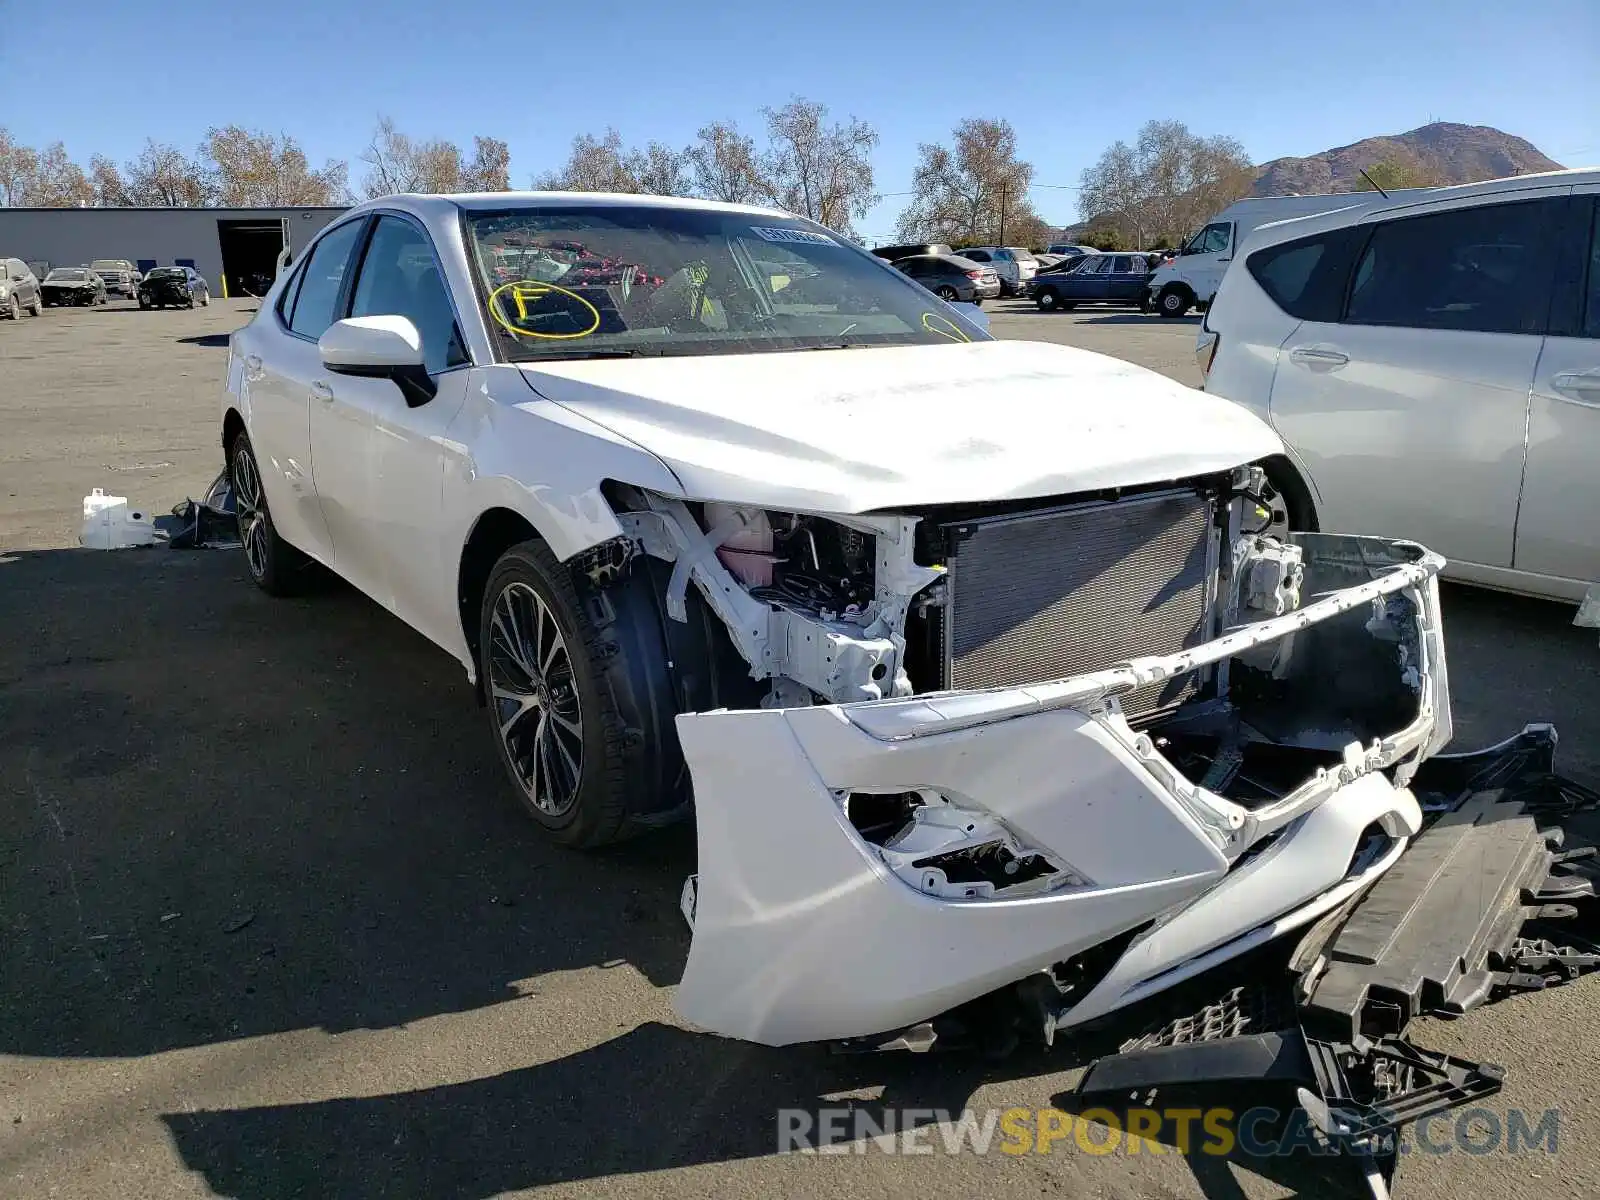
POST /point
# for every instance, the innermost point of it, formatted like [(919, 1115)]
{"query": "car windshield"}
[(104, 267), (166, 273), (69, 276), (603, 281)]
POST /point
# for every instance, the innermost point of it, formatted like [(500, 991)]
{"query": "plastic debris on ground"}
[(109, 523), (112, 523), (210, 523), (1589, 611)]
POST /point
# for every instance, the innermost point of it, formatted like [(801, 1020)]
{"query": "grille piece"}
[(1038, 596)]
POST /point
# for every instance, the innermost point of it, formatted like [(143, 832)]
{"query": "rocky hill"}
[(1446, 151)]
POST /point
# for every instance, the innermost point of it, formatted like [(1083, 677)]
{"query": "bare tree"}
[(818, 170), (58, 182), (254, 169), (975, 191), (594, 165), (106, 180), (724, 165), (399, 163), (164, 177), (1166, 184), (490, 168), (658, 170), (18, 165)]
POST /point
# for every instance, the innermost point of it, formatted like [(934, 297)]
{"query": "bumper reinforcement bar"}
[(1488, 902)]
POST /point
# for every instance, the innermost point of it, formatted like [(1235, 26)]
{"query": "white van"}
[(1193, 278)]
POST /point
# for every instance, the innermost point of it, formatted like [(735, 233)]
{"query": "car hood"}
[(852, 431)]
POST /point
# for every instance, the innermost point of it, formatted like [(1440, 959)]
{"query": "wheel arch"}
[(1286, 476)]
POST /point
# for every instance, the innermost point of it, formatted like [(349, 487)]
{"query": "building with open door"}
[(235, 249)]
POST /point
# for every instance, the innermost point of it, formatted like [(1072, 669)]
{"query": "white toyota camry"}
[(969, 652)]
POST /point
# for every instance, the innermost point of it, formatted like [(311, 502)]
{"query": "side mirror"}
[(386, 347)]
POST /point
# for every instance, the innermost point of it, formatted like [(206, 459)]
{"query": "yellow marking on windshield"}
[(944, 327), (524, 291)]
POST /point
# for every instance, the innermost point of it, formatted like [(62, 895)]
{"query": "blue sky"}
[(1284, 78)]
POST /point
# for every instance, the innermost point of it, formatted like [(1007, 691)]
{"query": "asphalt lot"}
[(271, 925)]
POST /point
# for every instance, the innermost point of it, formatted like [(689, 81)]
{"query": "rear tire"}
[(276, 566), (947, 293), (1047, 300)]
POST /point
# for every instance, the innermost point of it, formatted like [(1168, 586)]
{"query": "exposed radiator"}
[(1040, 595)]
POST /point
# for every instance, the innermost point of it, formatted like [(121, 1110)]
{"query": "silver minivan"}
[(19, 290), (1434, 369)]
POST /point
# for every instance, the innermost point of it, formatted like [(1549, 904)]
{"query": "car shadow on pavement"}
[(227, 815), (655, 1098), (215, 341), (651, 1099)]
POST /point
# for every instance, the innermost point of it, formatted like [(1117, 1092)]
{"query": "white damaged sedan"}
[(970, 654)]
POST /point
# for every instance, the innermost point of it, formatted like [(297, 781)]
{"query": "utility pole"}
[(1002, 214)]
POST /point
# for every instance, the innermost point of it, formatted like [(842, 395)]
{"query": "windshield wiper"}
[(570, 355)]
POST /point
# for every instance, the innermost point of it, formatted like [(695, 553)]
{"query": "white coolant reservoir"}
[(747, 552), (110, 524)]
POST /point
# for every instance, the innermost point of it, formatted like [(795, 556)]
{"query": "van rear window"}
[(1306, 277)]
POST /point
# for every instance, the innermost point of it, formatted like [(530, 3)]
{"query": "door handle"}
[(1579, 387), (1318, 356), (322, 391)]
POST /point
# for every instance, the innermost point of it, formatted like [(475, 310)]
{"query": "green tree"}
[(1393, 174)]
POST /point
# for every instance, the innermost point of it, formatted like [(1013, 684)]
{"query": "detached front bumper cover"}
[(806, 929)]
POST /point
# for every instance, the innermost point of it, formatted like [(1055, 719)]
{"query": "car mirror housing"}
[(381, 347)]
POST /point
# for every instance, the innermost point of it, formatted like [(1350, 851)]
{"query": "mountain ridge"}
[(1446, 151)]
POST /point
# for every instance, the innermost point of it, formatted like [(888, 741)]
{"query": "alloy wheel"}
[(535, 698), (251, 505)]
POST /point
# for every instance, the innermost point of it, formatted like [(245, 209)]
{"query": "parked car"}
[(1097, 279), (951, 277), (119, 283), (19, 289), (1434, 367), (120, 275), (73, 285), (701, 530), (182, 287), (892, 253), (1072, 249), (1015, 265)]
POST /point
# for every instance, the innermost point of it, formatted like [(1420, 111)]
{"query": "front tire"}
[(947, 294), (14, 309), (277, 567), (1047, 301)]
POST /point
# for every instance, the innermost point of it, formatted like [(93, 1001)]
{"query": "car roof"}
[(1364, 204), (444, 207)]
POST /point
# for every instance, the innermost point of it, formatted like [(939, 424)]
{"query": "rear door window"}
[(1306, 277), (1487, 269), (322, 279), (1591, 309)]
